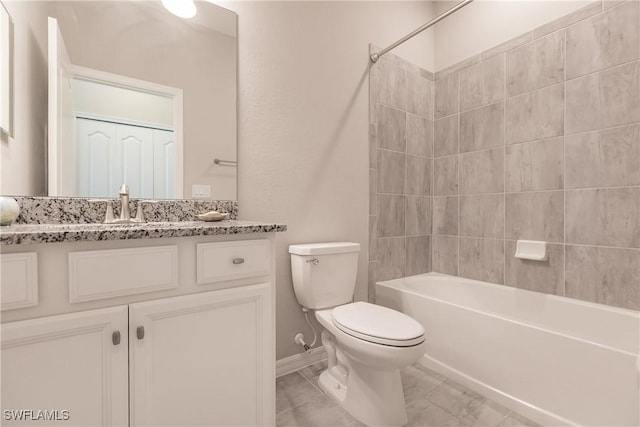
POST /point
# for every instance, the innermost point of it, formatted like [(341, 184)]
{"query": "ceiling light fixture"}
[(181, 8)]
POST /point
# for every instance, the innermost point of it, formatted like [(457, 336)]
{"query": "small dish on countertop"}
[(213, 216)]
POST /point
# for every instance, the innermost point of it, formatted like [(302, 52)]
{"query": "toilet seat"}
[(377, 324)]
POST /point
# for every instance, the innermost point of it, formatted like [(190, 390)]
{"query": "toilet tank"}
[(324, 274)]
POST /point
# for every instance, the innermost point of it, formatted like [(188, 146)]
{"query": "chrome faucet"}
[(125, 213)]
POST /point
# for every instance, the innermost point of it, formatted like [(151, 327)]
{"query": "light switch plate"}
[(201, 191)]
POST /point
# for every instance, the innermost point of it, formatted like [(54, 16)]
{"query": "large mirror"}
[(137, 95)]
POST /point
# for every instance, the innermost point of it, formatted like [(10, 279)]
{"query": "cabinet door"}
[(66, 363), (203, 360)]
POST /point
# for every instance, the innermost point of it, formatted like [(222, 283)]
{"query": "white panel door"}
[(203, 360), (66, 363), (164, 171), (61, 161), (136, 154), (99, 174)]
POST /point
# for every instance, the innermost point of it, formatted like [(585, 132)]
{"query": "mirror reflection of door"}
[(122, 131)]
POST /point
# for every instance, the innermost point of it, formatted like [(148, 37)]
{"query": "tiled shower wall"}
[(537, 138), (400, 174)]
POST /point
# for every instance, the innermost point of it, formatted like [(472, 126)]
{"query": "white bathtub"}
[(555, 360)]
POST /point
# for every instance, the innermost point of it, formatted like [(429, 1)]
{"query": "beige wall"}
[(486, 23), (303, 137), (22, 158)]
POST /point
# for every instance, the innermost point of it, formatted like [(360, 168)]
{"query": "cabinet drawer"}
[(19, 280), (112, 273), (232, 260)]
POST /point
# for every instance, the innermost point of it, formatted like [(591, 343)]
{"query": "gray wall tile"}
[(373, 146), (606, 99), (540, 276), (373, 236), (392, 84), (374, 95), (390, 215), (391, 258), (482, 127), (536, 165), (457, 67), (418, 181), (445, 215), (445, 254), (606, 40), (446, 97), (418, 216), (420, 95), (604, 217), (391, 171), (604, 275), (372, 271), (445, 136), (608, 4), (482, 259), (535, 216), (535, 115), (482, 172), (508, 45), (573, 17), (536, 65), (419, 136), (607, 158), (373, 192), (418, 255), (392, 126), (445, 176), (482, 216), (482, 83)]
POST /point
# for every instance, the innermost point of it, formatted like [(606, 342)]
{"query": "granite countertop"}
[(57, 233)]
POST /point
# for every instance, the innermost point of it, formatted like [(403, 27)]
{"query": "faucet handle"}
[(108, 214), (140, 213), (124, 189)]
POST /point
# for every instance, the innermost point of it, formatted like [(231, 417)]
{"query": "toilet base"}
[(372, 396)]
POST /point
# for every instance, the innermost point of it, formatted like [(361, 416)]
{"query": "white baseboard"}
[(299, 361)]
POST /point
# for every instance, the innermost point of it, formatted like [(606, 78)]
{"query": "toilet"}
[(366, 344)]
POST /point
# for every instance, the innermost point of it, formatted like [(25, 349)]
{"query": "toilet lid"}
[(378, 324)]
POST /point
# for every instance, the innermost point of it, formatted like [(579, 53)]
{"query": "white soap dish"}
[(213, 216), (532, 250)]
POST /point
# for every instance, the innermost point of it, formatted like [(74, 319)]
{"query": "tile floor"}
[(432, 401)]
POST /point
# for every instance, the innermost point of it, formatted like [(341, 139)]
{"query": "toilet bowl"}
[(368, 383), (366, 344)]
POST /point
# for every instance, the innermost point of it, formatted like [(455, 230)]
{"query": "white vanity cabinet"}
[(70, 366), (199, 354), (202, 359)]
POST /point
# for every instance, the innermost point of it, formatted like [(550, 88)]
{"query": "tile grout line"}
[(504, 188), (564, 169)]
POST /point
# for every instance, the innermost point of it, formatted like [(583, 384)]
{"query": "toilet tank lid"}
[(324, 248)]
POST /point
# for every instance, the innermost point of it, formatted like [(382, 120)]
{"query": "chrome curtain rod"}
[(374, 57)]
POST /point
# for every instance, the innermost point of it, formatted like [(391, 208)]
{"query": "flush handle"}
[(140, 332), (314, 261), (238, 261), (115, 337)]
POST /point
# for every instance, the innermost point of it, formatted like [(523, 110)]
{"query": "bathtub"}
[(556, 360)]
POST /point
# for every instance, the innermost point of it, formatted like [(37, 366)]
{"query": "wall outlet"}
[(201, 191)]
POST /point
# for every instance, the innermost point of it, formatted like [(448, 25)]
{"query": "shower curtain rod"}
[(374, 57)]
